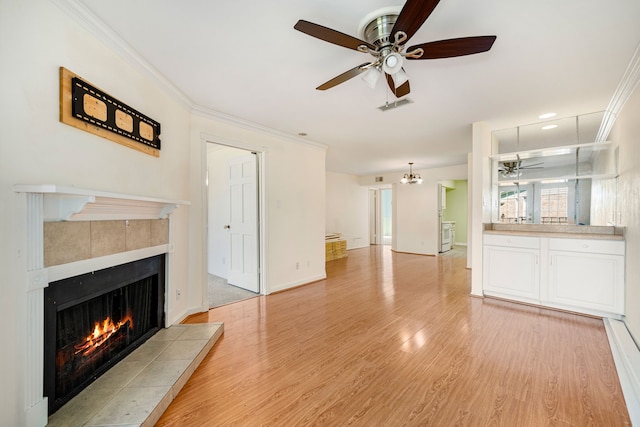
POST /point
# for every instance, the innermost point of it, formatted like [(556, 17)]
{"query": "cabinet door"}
[(587, 280), (512, 272)]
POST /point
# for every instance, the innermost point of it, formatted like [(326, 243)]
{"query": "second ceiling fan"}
[(386, 36)]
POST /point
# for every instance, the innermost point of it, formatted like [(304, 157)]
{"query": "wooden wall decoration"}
[(88, 108)]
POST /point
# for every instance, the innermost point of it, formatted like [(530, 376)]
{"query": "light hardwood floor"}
[(394, 339)]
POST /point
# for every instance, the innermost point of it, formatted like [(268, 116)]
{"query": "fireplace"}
[(93, 230), (93, 320)]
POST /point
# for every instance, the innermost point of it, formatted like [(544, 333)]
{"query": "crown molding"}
[(94, 25), (251, 126), (625, 89)]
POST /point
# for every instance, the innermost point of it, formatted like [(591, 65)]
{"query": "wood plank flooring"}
[(393, 339)]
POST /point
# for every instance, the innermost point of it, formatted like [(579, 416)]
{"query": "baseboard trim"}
[(291, 285), (626, 356)]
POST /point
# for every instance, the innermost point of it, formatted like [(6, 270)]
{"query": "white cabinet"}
[(587, 273), (511, 267), (576, 274), (443, 197), (453, 233)]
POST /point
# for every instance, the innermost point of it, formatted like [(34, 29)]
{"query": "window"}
[(513, 205), (554, 205)]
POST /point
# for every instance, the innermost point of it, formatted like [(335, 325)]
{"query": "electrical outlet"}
[(297, 265), (178, 293)]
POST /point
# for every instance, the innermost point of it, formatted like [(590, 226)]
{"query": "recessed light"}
[(547, 115), (549, 127)]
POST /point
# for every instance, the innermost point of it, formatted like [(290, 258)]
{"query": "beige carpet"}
[(221, 292)]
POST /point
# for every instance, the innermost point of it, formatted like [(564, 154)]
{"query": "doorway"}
[(233, 214), (380, 216), (386, 200)]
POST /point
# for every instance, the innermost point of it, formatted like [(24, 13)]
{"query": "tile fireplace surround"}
[(71, 231)]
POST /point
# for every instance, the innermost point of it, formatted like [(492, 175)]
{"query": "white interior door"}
[(243, 224)]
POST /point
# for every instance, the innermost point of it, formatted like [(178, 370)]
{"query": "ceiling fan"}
[(386, 34), (512, 169)]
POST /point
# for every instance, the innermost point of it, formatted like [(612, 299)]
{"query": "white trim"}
[(245, 124), (627, 359), (94, 25), (296, 283), (72, 269), (261, 152), (206, 137), (98, 28), (625, 88), (77, 204), (69, 190)]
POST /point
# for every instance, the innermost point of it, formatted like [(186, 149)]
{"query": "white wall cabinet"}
[(583, 275)]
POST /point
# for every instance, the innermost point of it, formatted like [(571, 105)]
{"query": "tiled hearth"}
[(138, 390)]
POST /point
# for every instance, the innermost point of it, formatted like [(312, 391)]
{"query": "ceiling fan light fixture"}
[(399, 78), (392, 63), (371, 76)]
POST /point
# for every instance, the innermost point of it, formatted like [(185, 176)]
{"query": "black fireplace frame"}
[(69, 292)]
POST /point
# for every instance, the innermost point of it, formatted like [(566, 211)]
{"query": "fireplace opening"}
[(94, 320)]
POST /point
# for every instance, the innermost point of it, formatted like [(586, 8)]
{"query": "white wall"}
[(36, 38), (626, 134), (348, 209), (294, 206), (480, 207), (415, 215), (415, 208)]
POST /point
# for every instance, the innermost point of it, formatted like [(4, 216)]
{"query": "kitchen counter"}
[(559, 231)]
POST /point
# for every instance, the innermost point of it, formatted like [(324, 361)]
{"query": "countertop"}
[(557, 231)]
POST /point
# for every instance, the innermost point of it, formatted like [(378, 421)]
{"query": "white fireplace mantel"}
[(65, 203), (48, 202)]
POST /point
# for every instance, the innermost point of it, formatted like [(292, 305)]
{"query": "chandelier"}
[(411, 178)]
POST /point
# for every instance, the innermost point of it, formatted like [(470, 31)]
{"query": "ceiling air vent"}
[(378, 179), (395, 104)]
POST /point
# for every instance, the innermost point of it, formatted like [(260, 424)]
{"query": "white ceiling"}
[(244, 59)]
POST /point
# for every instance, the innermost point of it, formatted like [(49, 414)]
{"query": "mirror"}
[(546, 182)]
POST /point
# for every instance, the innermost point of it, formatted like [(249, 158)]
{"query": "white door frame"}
[(374, 217), (261, 157)]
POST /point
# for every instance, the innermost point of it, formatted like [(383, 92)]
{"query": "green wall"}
[(457, 206)]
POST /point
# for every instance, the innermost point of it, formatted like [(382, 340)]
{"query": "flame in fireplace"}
[(101, 333)]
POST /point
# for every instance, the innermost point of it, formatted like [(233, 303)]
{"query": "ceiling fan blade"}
[(401, 90), (413, 15), (344, 76), (454, 47), (331, 36)]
